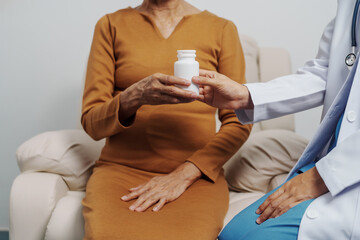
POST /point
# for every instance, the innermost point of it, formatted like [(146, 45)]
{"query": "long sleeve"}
[(232, 133), (292, 93), (100, 103)]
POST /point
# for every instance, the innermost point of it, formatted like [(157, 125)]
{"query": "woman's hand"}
[(220, 91), (159, 89), (163, 189), (154, 90), (305, 186)]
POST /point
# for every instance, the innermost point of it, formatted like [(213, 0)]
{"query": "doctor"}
[(321, 197)]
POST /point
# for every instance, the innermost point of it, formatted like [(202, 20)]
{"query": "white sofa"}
[(45, 201)]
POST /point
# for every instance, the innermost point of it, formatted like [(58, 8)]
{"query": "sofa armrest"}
[(33, 197), (68, 153)]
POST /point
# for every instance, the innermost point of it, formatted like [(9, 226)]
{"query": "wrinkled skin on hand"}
[(163, 189)]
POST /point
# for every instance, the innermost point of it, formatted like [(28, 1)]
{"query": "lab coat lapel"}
[(328, 124)]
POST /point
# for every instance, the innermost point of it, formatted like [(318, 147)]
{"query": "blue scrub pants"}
[(285, 227)]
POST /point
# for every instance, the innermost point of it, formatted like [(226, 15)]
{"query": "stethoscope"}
[(351, 57)]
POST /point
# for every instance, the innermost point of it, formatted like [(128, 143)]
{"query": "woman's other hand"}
[(154, 90), (163, 189), (305, 186), (220, 91)]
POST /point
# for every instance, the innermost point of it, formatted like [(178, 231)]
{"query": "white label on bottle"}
[(188, 71)]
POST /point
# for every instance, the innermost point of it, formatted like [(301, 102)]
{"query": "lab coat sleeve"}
[(292, 93), (340, 168)]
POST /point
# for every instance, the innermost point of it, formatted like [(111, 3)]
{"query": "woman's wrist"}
[(130, 102), (188, 172)]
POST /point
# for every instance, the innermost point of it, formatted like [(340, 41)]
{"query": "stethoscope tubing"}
[(351, 57), (353, 25)]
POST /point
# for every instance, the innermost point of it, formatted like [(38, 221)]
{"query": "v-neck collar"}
[(157, 30)]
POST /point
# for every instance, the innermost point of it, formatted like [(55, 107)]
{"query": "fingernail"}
[(124, 198), (155, 209), (258, 221), (132, 208), (257, 211), (139, 209), (195, 78)]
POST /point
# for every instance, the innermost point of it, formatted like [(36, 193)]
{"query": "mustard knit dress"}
[(126, 48)]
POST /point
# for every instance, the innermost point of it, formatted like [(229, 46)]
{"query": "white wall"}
[(44, 45)]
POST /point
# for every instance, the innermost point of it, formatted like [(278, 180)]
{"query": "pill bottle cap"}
[(186, 53)]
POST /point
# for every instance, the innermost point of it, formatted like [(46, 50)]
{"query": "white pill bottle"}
[(187, 67)]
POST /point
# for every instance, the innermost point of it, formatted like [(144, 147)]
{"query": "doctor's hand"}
[(220, 91), (163, 189), (305, 186)]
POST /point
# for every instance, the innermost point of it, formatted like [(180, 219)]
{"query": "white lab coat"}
[(325, 80)]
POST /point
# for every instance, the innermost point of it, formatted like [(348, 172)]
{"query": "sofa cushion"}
[(251, 52), (264, 156), (69, 153)]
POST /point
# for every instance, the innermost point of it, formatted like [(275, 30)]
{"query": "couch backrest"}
[(251, 54), (264, 64)]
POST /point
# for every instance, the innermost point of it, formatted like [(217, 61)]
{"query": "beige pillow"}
[(69, 153), (265, 159)]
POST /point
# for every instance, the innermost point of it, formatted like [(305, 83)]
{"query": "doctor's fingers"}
[(207, 73), (273, 208), (206, 81), (284, 207), (270, 199)]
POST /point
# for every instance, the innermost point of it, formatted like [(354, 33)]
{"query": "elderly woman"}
[(160, 172)]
